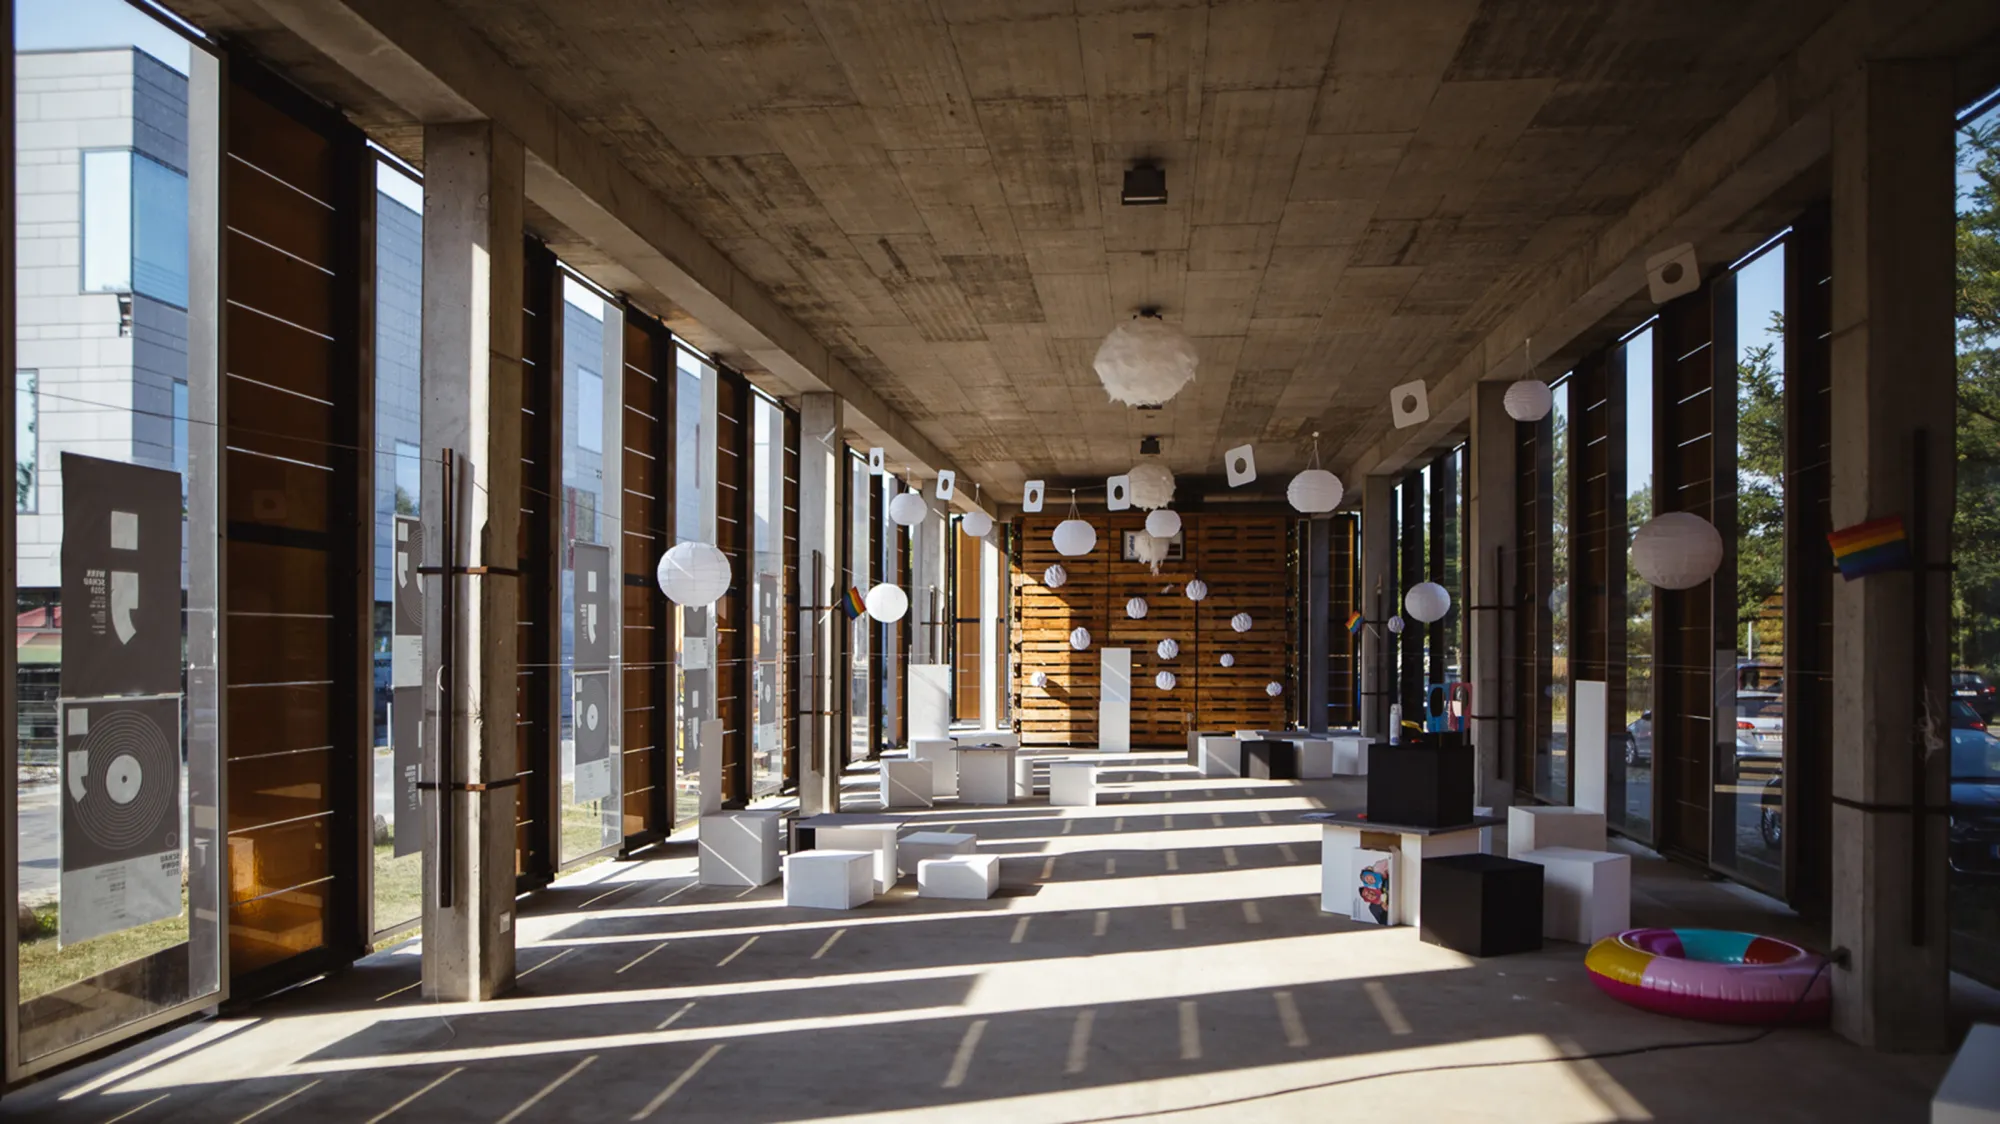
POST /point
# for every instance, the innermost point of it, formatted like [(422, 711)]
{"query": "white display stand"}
[(1073, 784), (916, 847), (738, 848), (942, 753), (1350, 756), (1221, 756), (1531, 827), (1970, 1092), (819, 879), (906, 784), (1024, 775), (960, 876), (930, 700), (1114, 700), (708, 759), (1589, 702), (1586, 895), (1008, 738), (1315, 758), (876, 839), (985, 774), (1406, 892)]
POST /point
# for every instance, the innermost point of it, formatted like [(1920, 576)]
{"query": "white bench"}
[(1073, 784), (1221, 756), (1315, 758), (1532, 827), (738, 848), (918, 846), (942, 753), (985, 774), (829, 879), (959, 876), (906, 784), (1586, 895)]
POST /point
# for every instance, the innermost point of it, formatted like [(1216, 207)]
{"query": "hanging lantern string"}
[(1313, 462), (1528, 355)]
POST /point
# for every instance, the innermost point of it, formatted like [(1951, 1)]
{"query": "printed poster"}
[(1373, 873), (120, 844)]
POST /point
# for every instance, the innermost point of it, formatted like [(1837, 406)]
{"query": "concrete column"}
[(1490, 525), (1893, 387), (820, 419), (472, 406), (1319, 609), (1378, 601), (927, 587)]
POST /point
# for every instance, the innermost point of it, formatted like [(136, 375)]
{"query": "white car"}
[(1760, 724)]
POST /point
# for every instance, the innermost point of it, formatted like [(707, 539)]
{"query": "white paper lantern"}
[(1558, 597), (1040, 679), (1149, 550), (1241, 622), (1055, 576), (1396, 624), (1145, 361), (976, 524), (909, 509), (1136, 608), (1528, 400), (1167, 649), (1427, 601), (1314, 491), (1165, 681), (1228, 660), (1196, 590), (1079, 638), (1163, 524), (1151, 485), (887, 603), (1274, 688), (1678, 550), (1074, 537), (694, 574)]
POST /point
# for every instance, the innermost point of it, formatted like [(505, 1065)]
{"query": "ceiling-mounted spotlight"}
[(1145, 186), (1149, 446)]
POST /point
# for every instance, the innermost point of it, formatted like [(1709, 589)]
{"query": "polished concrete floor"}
[(1160, 956)]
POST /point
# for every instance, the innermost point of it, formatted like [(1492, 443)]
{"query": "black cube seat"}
[(1425, 783), (1482, 905), (1271, 760)]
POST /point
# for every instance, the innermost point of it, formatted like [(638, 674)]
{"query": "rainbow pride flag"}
[(1874, 547), (853, 604), (1354, 622)]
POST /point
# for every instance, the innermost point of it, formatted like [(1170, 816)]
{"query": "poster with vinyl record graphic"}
[(591, 721), (121, 824)]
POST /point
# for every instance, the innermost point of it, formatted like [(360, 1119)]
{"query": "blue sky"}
[(67, 25)]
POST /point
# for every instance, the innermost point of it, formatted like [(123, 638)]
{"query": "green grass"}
[(45, 968), (399, 888)]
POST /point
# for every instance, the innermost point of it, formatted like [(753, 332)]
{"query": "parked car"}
[(1965, 717), (1761, 677), (1972, 687), (1639, 740), (1974, 833), (1760, 724), (384, 678)]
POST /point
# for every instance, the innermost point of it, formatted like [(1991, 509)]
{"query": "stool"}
[(829, 879), (738, 848), (1350, 756), (878, 840), (916, 847), (960, 876), (1221, 757), (1586, 895), (1482, 905), (943, 756), (1315, 759), (1532, 827), (906, 784), (1073, 784), (1970, 1092), (985, 774), (1266, 760)]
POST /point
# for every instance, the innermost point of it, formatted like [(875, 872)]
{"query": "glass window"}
[(1552, 757), (587, 690), (107, 221), (694, 491), (860, 546), (25, 447), (1630, 768), (135, 228), (767, 497)]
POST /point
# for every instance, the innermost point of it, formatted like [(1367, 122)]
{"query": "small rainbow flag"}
[(1874, 547), (853, 604), (1354, 622)]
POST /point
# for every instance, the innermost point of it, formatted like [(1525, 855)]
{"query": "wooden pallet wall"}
[(1242, 557)]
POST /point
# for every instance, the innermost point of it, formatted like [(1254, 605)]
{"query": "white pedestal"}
[(1073, 784), (1970, 1092), (1221, 756), (1350, 756), (1024, 776), (929, 703), (1586, 895), (738, 848), (1532, 827), (1406, 891), (819, 879), (1006, 738), (906, 784), (961, 876), (1589, 700), (1485, 833), (985, 774), (1315, 759), (1114, 700), (942, 753), (916, 847), (708, 759), (876, 839)]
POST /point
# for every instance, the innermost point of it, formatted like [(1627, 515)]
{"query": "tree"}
[(1760, 475), (1976, 519)]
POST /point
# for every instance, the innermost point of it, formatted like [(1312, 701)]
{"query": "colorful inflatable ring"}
[(1711, 974)]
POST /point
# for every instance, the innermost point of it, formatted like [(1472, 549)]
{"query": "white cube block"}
[(877, 839), (906, 784), (1024, 776), (942, 753), (1315, 758), (985, 774), (829, 879), (1970, 1092), (1006, 738), (960, 876), (738, 848), (1586, 895), (1531, 827), (1221, 757), (1073, 784), (1350, 756), (916, 847)]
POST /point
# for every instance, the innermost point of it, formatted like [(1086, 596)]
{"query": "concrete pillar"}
[(1319, 610), (1893, 387), (472, 405), (820, 420), (1490, 525), (1378, 601), (927, 578)]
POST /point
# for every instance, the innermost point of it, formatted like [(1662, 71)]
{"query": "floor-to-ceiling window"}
[(587, 688), (694, 516), (1629, 772), (1552, 778), (862, 488), (767, 495)]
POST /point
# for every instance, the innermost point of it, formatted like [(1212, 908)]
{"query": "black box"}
[(1482, 905), (1271, 760), (1422, 784)]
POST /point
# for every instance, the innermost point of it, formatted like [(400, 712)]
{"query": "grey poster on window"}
[(121, 579), (591, 711), (406, 723), (592, 605), (120, 835), (407, 642)]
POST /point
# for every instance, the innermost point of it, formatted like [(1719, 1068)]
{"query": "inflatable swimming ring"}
[(1712, 974)]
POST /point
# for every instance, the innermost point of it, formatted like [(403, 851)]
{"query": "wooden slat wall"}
[(1683, 621), (732, 613), (1343, 686), (540, 603), (1241, 556), (788, 600), (645, 516), (966, 598), (1533, 559), (1590, 555), (1808, 577)]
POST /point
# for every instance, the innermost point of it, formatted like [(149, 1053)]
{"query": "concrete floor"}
[(1159, 956)]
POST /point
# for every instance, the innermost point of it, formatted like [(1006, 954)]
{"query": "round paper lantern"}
[(1678, 550), (1074, 537), (1136, 608), (1228, 660), (1152, 485), (1079, 638), (1558, 597), (909, 509), (1241, 622), (1145, 361), (1427, 601), (1528, 400), (1196, 590), (1163, 524), (976, 524), (1396, 624), (887, 603), (694, 574), (1152, 551), (1039, 679), (1167, 649), (1274, 688), (1055, 576), (1165, 681), (1314, 491)]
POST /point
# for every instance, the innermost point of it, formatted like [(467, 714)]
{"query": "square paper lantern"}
[(1117, 493), (1240, 465), (1031, 497), (947, 483)]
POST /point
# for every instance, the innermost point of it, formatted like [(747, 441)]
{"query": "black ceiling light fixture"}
[(1145, 185), (1149, 446)]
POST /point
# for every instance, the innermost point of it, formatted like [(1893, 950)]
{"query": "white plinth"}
[(985, 774), (877, 839), (1350, 756), (1315, 759), (1073, 784), (1970, 1092), (961, 876), (1114, 700), (1336, 874), (738, 848), (1221, 756), (929, 705), (1485, 833), (942, 753), (906, 784), (916, 847), (1024, 776), (826, 879), (1586, 895), (1533, 827), (988, 737)]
